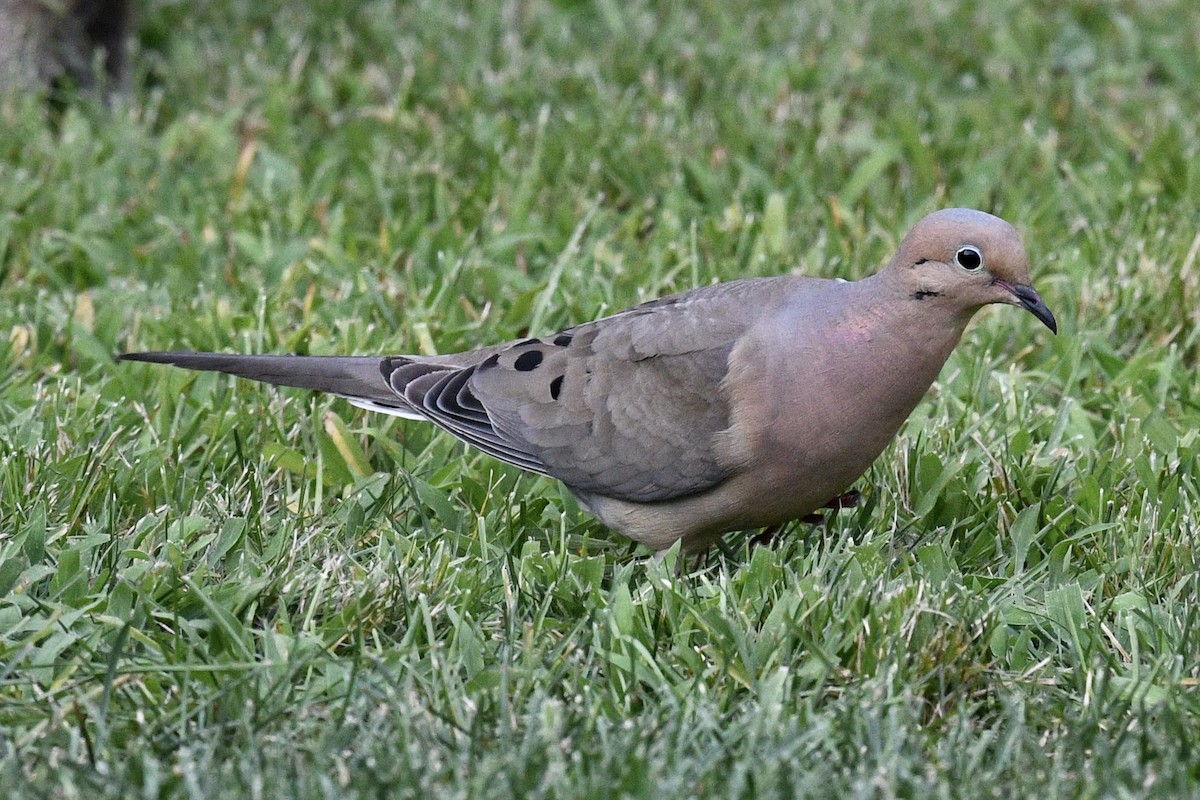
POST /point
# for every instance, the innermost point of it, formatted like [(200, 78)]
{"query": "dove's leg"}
[(849, 499)]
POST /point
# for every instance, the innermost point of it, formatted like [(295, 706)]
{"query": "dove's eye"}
[(969, 258)]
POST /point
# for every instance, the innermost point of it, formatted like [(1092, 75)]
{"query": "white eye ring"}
[(969, 258)]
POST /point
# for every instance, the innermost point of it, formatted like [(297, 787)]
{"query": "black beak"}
[(1033, 303)]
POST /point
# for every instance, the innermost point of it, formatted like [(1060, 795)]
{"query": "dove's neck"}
[(896, 344), (925, 327)]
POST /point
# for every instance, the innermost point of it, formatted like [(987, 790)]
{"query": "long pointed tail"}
[(354, 377)]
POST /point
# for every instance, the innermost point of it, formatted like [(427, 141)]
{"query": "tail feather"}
[(348, 376)]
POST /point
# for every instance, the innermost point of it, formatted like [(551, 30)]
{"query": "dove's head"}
[(966, 259)]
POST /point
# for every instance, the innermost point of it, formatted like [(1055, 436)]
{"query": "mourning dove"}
[(733, 406)]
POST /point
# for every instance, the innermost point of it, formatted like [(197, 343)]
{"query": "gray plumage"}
[(732, 406)]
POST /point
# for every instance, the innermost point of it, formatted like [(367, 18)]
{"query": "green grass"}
[(212, 589)]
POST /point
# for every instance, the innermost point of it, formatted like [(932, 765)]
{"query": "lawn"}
[(213, 589)]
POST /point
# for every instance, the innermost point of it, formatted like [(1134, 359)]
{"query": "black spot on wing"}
[(562, 340), (556, 387), (490, 361), (528, 361)]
